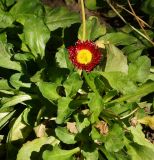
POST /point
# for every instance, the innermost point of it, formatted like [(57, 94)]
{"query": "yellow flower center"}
[(84, 56)]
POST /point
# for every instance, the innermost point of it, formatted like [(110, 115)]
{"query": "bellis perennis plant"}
[(51, 109)]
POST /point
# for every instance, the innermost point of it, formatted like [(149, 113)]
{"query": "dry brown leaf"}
[(71, 126), (102, 127), (133, 121), (40, 130)]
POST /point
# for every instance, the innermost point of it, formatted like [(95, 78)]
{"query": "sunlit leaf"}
[(139, 137), (115, 139), (24, 9), (36, 37), (93, 29), (17, 83), (64, 110), (5, 117), (6, 19), (5, 58), (62, 58), (139, 70), (19, 130), (15, 100), (66, 106), (81, 122), (4, 85), (117, 38), (23, 57), (96, 106), (65, 136), (60, 18), (58, 153), (121, 155), (140, 92), (35, 146), (49, 90), (116, 60), (72, 88), (120, 82), (139, 152)]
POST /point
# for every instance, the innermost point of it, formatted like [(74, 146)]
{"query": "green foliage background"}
[(48, 110)]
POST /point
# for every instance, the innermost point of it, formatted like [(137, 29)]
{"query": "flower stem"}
[(83, 20)]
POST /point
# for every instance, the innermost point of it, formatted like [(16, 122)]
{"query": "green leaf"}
[(81, 122), (109, 95), (35, 146), (134, 55), (148, 7), (122, 109), (24, 56), (17, 83), (72, 84), (5, 58), (138, 152), (60, 154), (139, 137), (90, 151), (6, 19), (26, 115), (115, 139), (96, 136), (121, 155), (66, 106), (120, 82), (96, 106), (93, 29), (49, 90), (62, 58), (60, 18), (140, 69), (10, 2), (24, 9), (140, 92), (19, 130), (36, 38), (3, 37), (117, 38), (130, 49), (92, 4), (116, 60), (4, 85), (65, 136), (90, 79), (15, 100), (64, 109), (151, 77), (5, 117), (38, 76)]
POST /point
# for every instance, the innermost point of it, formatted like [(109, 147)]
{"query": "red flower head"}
[(84, 55)]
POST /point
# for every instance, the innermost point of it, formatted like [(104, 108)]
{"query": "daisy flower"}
[(84, 55)]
